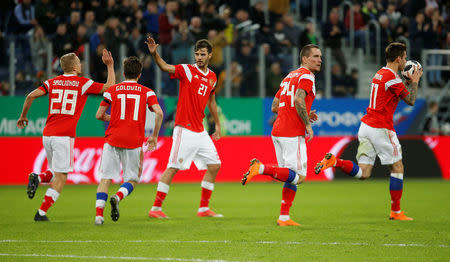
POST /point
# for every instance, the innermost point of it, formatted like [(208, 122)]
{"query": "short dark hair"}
[(306, 51), (203, 43), (394, 50), (132, 67)]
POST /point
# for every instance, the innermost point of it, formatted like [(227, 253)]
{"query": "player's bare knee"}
[(214, 169), (397, 167), (301, 179)]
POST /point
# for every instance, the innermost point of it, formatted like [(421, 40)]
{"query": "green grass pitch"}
[(341, 221)]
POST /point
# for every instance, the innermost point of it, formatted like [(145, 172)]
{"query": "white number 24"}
[(289, 91)]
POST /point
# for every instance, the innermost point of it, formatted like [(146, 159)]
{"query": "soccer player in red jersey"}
[(293, 103), (376, 134), (67, 96), (190, 141), (125, 135)]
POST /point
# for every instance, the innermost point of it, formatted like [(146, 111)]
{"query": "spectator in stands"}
[(229, 26), (181, 44), (80, 40), (211, 19), (168, 20), (417, 29), (97, 38), (195, 29), (188, 9), (352, 82), (434, 30), (38, 44), (338, 82), (126, 14), (393, 15), (62, 43), (25, 16), (277, 8), (387, 34), (309, 35), (271, 57), (151, 16), (113, 38), (273, 79), (148, 73), (218, 41), (333, 31), (235, 77), (4, 88), (45, 15), (265, 35), (248, 62), (89, 23), (291, 29), (72, 26), (370, 11), (281, 35), (257, 14), (98, 72), (136, 43), (431, 125), (359, 24)]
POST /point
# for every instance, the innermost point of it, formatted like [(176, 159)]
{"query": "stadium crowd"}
[(242, 24)]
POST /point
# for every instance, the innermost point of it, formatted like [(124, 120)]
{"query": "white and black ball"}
[(409, 68)]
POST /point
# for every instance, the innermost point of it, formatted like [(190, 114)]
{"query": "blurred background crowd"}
[(244, 25)]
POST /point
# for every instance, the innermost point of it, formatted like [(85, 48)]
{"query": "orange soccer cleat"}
[(208, 213), (399, 216), (286, 223), (157, 214), (328, 161), (253, 170)]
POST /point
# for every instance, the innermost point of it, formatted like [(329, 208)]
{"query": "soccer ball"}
[(409, 68)]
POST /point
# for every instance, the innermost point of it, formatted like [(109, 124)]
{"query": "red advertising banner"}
[(22, 155)]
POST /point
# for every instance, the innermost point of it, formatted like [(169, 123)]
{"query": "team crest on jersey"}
[(196, 76), (211, 82), (181, 160)]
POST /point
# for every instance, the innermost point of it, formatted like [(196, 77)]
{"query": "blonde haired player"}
[(67, 95), (376, 134)]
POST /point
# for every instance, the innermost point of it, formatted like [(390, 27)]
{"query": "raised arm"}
[(109, 62), (153, 139), (212, 106), (101, 114), (300, 106), (23, 120), (410, 99), (152, 46)]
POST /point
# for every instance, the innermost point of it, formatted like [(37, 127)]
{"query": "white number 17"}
[(122, 98)]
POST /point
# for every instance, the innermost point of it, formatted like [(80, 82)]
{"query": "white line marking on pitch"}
[(108, 257), (224, 242)]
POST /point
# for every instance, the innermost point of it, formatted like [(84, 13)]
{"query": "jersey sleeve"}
[(305, 82), (181, 71), (44, 86), (91, 87), (278, 93), (397, 87), (107, 99), (151, 99)]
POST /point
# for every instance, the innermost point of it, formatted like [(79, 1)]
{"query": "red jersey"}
[(128, 102), (195, 89), (67, 96), (387, 89), (288, 122)]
